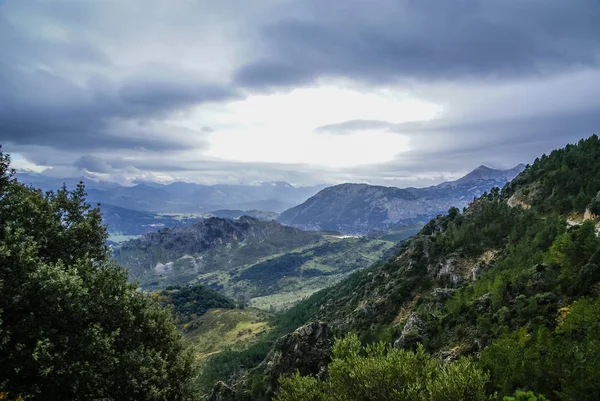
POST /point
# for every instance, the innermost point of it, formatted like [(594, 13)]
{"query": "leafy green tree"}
[(71, 326)]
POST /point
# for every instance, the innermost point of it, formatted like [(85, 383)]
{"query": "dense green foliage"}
[(192, 301), (525, 396), (515, 307), (71, 326), (566, 180), (380, 373)]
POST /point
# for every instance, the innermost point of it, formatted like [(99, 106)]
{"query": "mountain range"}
[(362, 208), (182, 197)]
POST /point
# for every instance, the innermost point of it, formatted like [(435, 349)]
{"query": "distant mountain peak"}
[(485, 173), (359, 208), (483, 167)]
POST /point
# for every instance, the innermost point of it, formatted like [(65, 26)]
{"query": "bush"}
[(379, 372)]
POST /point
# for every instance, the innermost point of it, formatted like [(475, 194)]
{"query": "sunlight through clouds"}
[(281, 127)]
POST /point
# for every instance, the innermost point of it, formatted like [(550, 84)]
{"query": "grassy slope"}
[(218, 329)]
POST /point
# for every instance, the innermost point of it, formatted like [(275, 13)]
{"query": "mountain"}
[(177, 255), (125, 222), (483, 174), (513, 283), (181, 197), (271, 265), (361, 208)]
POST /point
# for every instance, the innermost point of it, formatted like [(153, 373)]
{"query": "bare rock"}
[(306, 350), (414, 332), (222, 392)]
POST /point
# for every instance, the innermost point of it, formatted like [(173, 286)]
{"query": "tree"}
[(71, 326)]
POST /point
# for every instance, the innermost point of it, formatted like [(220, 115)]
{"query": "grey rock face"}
[(414, 332), (307, 350), (450, 270), (222, 392)]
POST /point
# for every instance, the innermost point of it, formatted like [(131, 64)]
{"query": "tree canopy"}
[(71, 325)]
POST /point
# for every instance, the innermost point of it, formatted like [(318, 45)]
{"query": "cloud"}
[(355, 125), (163, 94), (65, 83), (389, 41), (210, 91), (43, 108), (92, 164)]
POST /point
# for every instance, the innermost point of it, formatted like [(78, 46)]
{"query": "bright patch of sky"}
[(281, 127)]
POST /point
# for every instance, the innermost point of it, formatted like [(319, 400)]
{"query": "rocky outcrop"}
[(517, 200), (414, 332), (451, 271), (306, 350), (222, 392)]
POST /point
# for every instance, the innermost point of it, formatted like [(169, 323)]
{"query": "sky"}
[(392, 92)]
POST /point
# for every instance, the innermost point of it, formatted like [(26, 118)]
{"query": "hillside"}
[(516, 286), (271, 265), (177, 255), (361, 208), (237, 213), (211, 322)]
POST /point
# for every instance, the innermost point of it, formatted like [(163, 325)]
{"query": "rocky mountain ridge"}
[(362, 208), (182, 197)]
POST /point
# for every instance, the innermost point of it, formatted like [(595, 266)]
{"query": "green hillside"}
[(211, 322), (513, 285), (264, 263)]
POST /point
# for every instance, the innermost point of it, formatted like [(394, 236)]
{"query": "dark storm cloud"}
[(38, 107), (103, 86), (168, 94), (93, 164), (384, 41), (67, 93)]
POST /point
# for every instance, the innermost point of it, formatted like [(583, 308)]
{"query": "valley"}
[(300, 200), (268, 265), (514, 287)]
